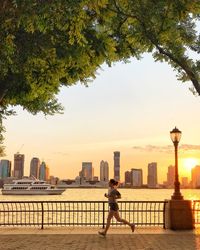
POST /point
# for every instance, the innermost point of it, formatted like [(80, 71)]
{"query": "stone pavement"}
[(88, 239)]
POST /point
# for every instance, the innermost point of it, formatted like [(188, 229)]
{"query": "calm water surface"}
[(98, 195)]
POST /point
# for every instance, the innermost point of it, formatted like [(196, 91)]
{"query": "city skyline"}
[(135, 175), (187, 164), (128, 108)]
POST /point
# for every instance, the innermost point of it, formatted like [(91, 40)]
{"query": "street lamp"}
[(175, 135)]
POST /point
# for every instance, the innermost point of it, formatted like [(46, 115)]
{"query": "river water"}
[(94, 194), (76, 213)]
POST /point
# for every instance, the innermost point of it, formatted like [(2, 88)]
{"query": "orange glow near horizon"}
[(189, 163)]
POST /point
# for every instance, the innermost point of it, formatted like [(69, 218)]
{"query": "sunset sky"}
[(128, 107)]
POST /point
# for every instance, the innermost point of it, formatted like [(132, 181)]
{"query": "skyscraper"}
[(104, 171), (184, 182), (18, 165), (136, 177), (196, 177), (152, 179), (34, 167), (170, 176), (117, 165), (44, 172), (5, 169), (87, 171), (127, 178)]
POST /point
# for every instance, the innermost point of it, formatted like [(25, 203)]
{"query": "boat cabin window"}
[(25, 183)]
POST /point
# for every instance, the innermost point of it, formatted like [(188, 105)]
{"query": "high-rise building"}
[(136, 177), (171, 176), (44, 172), (53, 180), (184, 182), (18, 165), (87, 171), (5, 169), (104, 171), (152, 179), (196, 177), (117, 165), (95, 178), (34, 167), (127, 178)]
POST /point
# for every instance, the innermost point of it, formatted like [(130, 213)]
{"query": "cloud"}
[(166, 149), (187, 147), (154, 148)]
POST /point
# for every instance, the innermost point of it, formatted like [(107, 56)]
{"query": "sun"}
[(189, 163)]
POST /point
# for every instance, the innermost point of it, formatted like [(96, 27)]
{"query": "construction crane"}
[(18, 151)]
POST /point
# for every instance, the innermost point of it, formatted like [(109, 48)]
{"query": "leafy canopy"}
[(167, 29), (46, 44)]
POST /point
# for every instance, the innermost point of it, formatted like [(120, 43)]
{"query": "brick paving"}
[(87, 239)]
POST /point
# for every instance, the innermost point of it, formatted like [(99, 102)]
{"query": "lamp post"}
[(175, 135)]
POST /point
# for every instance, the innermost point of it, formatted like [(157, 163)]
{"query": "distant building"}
[(95, 178), (34, 167), (5, 169), (196, 177), (79, 183), (9, 180), (117, 165), (184, 182), (171, 176), (18, 165), (152, 179), (44, 172), (136, 177), (104, 171), (127, 178), (53, 180), (87, 171)]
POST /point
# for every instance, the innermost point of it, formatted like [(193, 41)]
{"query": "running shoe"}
[(133, 227), (102, 233)]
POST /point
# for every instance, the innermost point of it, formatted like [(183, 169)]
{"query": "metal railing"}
[(84, 213), (196, 212), (79, 213)]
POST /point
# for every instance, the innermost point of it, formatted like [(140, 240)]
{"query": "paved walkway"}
[(87, 239)]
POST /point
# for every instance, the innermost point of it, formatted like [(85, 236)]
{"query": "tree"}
[(46, 44), (165, 28)]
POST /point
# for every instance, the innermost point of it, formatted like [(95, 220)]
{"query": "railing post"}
[(103, 214), (164, 208), (42, 206)]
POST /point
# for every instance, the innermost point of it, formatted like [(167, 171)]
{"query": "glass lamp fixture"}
[(175, 135)]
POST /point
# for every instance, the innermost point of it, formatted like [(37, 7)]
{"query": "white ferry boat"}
[(30, 187)]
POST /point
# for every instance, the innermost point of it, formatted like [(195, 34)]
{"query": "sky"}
[(129, 108)]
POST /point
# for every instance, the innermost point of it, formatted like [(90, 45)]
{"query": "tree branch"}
[(180, 62)]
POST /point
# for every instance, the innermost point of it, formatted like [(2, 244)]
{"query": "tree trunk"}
[(3, 90)]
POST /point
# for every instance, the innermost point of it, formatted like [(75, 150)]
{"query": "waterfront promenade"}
[(87, 239)]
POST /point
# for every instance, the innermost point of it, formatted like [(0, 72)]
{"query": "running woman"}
[(113, 195)]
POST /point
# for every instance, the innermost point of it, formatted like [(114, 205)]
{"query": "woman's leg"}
[(110, 215), (118, 218)]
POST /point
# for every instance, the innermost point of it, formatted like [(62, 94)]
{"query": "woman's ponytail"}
[(114, 182)]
